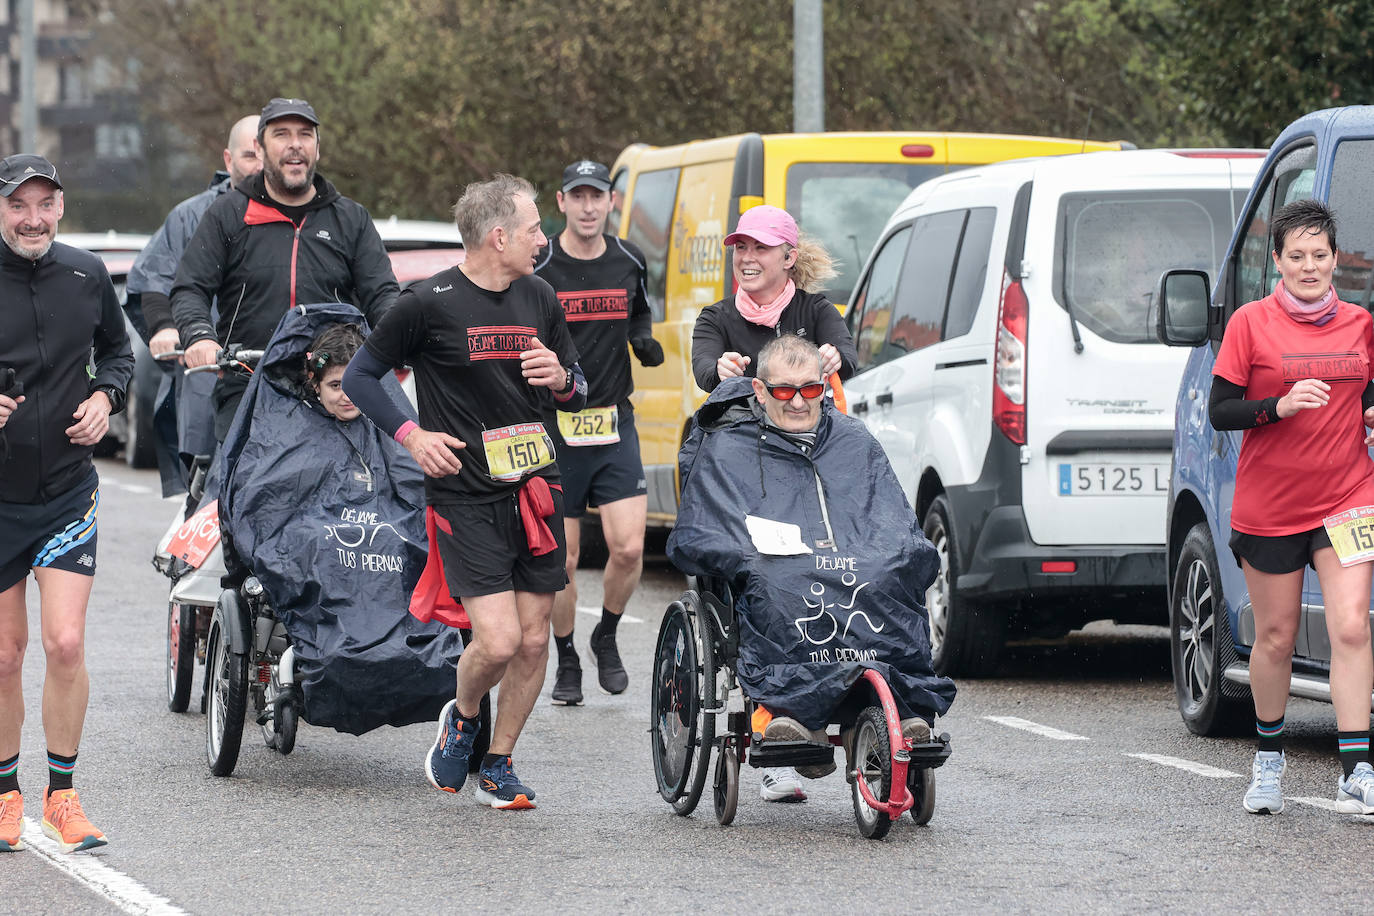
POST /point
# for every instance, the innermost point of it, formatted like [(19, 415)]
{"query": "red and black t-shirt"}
[(464, 343), (605, 305), (1294, 473)]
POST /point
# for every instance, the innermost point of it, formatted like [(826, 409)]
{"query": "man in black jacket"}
[(57, 307), (283, 238)]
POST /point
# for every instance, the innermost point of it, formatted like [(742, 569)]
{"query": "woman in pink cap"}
[(774, 268)]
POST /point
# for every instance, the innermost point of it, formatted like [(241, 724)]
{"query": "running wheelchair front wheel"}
[(727, 785), (921, 782), (682, 699), (873, 765), (227, 680)]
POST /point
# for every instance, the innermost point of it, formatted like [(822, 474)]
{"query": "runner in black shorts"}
[(491, 353), (60, 315), (600, 284)]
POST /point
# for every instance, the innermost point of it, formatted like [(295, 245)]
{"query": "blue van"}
[(1327, 155)]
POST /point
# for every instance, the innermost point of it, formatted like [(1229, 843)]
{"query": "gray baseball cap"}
[(19, 168)]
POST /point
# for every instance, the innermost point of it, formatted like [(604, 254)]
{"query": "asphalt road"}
[(1043, 806)]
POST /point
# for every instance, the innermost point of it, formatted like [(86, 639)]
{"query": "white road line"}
[(127, 487), (116, 887), (596, 612), (1178, 763), (1043, 731)]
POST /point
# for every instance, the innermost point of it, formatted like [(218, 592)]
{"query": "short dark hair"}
[(334, 346), (1308, 215)]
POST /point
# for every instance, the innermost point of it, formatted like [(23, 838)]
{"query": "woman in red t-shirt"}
[(1294, 373)]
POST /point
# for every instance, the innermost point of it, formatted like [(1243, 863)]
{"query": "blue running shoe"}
[(446, 764), (1264, 795), (1355, 795), (501, 788)]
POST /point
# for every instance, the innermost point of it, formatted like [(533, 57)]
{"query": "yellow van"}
[(677, 203)]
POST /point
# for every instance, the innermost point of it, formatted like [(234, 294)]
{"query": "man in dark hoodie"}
[(280, 239)]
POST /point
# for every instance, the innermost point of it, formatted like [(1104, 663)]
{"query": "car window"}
[(1291, 179), (1111, 248), (651, 216), (872, 308), (845, 205), (971, 274), (1352, 200), (923, 289)]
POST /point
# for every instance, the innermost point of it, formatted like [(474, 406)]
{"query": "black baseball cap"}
[(19, 168), (586, 172), (285, 108)]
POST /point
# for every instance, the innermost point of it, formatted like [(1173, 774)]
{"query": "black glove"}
[(648, 351)]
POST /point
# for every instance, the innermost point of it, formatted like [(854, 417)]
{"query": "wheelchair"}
[(690, 716)]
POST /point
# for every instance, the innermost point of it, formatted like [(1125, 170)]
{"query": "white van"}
[(1009, 366)]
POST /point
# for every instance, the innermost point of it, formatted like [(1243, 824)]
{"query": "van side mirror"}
[(1184, 297)]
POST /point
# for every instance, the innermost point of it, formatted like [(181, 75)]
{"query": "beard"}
[(279, 181), (27, 250)]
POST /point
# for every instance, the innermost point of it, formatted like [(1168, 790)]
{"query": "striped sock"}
[(1354, 748), (1270, 734), (60, 771), (9, 775)]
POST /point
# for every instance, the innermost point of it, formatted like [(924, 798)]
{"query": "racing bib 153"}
[(1352, 534), (593, 426), (514, 451)]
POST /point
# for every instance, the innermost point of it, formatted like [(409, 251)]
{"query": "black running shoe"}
[(567, 683), (610, 673)]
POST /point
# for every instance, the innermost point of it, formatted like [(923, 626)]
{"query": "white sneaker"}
[(1355, 793), (781, 784), (1264, 795)]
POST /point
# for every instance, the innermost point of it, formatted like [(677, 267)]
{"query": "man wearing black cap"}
[(57, 310), (282, 238), (600, 281)]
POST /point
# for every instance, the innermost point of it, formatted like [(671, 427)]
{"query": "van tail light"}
[(1009, 373)]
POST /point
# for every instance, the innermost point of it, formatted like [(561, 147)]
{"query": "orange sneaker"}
[(66, 823), (11, 827)]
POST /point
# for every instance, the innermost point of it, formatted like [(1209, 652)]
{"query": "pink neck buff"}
[(1319, 312), (764, 314)]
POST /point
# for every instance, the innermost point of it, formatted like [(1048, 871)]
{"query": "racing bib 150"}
[(593, 426), (1352, 534), (514, 451)]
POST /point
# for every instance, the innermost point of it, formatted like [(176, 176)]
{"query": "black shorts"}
[(488, 553), (594, 475), (1278, 555), (59, 534)]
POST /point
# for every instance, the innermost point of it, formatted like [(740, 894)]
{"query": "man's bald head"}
[(241, 159)]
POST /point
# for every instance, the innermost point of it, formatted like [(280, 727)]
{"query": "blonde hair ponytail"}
[(813, 265)]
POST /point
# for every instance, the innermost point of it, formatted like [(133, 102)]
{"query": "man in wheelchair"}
[(794, 507)]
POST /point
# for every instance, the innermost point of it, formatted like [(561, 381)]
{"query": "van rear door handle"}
[(859, 407), (883, 399)]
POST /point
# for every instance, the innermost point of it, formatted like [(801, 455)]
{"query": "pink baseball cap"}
[(766, 225)]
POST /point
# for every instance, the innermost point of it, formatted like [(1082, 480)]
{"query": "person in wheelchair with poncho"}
[(795, 508)]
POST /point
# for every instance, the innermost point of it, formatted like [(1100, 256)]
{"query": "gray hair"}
[(789, 350), (488, 204)]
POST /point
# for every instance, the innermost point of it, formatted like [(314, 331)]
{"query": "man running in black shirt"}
[(599, 279), (492, 354)]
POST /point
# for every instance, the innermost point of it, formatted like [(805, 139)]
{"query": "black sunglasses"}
[(810, 390)]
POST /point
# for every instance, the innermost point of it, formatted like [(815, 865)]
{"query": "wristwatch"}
[(567, 380)]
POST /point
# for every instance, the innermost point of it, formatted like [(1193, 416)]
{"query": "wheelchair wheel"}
[(227, 682), (727, 785), (279, 731), (873, 763), (181, 655), (921, 782), (682, 732)]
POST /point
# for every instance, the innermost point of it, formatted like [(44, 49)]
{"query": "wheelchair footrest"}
[(931, 754), (790, 754)]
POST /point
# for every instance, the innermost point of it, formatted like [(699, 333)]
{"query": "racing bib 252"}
[(514, 451), (593, 426), (1352, 534)]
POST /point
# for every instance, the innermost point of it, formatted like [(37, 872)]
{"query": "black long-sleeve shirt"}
[(720, 329), (1228, 408)]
